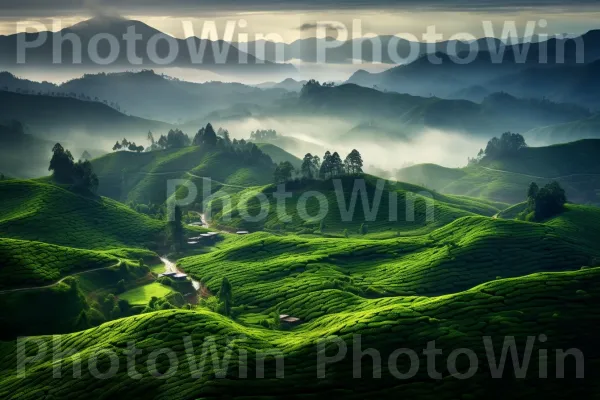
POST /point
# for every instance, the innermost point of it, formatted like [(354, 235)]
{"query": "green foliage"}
[(283, 172), (519, 308), (547, 201), (43, 212), (27, 264), (226, 296), (65, 171)]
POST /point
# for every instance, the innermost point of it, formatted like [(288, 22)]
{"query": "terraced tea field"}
[(561, 305), (27, 264), (268, 271), (47, 213), (400, 207)]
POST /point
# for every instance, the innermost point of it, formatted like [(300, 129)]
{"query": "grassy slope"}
[(446, 208), (127, 176), (279, 155), (560, 305), (141, 295), (44, 212), (27, 264), (266, 270), (574, 165)]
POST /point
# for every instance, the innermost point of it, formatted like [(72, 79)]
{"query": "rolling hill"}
[(47, 213), (560, 304), (407, 116), (574, 165), (142, 178), (306, 200), (64, 118)]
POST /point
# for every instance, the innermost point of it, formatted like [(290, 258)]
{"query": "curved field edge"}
[(559, 305)]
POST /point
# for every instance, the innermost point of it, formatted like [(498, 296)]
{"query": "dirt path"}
[(60, 281)]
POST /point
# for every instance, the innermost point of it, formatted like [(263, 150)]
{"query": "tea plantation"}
[(143, 177), (268, 270), (400, 207), (26, 264), (48, 213), (554, 311)]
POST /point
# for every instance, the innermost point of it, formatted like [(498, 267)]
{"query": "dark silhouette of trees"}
[(85, 155), (176, 139), (546, 202), (162, 142), (263, 135), (508, 144), (175, 225), (61, 164), (226, 296), (66, 171), (283, 172), (117, 146), (83, 176), (206, 137), (353, 163)]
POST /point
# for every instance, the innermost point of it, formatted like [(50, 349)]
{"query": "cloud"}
[(313, 26)]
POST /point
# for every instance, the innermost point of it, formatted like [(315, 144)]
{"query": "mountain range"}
[(191, 53)]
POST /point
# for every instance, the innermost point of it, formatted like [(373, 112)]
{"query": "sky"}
[(288, 20)]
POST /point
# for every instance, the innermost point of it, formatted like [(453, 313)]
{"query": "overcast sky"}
[(285, 18)]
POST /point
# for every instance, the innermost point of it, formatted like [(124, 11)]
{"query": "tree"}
[(336, 165), (283, 172), (546, 202), (150, 137), (84, 177), (61, 164), (162, 142), (176, 227), (176, 139), (124, 143), (226, 296), (117, 147), (85, 156), (308, 168), (353, 162), (325, 169), (508, 144), (206, 136), (532, 193)]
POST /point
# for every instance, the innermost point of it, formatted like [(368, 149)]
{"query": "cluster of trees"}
[(546, 202), (507, 145), (313, 167), (263, 135), (127, 145), (65, 171), (313, 85), (224, 302)]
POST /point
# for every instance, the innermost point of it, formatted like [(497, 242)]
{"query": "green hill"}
[(574, 165), (63, 117), (581, 129), (431, 209), (47, 213), (127, 176), (279, 155), (27, 264), (562, 305), (267, 270)]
